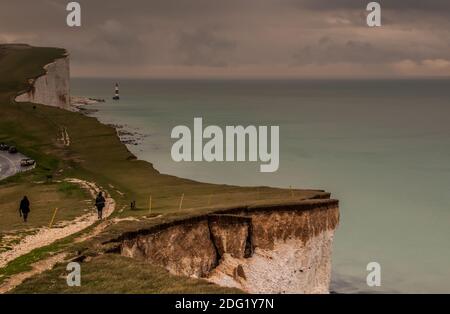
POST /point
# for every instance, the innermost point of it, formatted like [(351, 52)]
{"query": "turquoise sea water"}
[(382, 147)]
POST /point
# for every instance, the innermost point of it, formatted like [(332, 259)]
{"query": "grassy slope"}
[(36, 139), (98, 277), (65, 196), (96, 154)]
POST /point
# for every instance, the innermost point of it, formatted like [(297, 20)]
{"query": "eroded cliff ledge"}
[(52, 88), (283, 248)]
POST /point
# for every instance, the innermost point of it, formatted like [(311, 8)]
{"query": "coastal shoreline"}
[(125, 133), (81, 104)]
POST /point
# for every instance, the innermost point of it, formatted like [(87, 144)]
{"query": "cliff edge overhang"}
[(272, 248)]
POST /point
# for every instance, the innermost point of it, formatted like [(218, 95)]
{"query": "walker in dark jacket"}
[(24, 208), (100, 204)]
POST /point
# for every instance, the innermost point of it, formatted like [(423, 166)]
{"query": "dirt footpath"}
[(45, 236)]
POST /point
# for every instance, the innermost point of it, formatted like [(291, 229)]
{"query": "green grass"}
[(70, 189), (44, 198), (24, 262), (97, 277), (97, 155)]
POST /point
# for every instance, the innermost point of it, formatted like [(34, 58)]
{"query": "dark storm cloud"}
[(204, 47), (138, 37), (111, 42), (423, 5), (329, 51)]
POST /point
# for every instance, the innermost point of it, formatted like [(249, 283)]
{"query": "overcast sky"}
[(238, 38)]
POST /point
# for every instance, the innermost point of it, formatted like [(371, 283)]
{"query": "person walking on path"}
[(24, 208), (100, 204)]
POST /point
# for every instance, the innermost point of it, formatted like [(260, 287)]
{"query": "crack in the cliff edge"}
[(211, 236), (249, 248)]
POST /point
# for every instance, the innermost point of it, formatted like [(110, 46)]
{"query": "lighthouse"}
[(116, 92)]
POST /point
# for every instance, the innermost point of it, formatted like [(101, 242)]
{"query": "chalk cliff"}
[(52, 88), (283, 248)]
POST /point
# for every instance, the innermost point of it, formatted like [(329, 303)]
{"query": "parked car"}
[(3, 146), (27, 162), (12, 150)]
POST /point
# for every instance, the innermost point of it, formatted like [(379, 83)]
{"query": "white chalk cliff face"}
[(273, 249), (52, 88), (291, 266), (292, 252)]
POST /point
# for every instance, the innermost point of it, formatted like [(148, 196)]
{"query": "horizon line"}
[(265, 78)]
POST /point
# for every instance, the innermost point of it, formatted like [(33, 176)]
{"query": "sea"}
[(382, 147)]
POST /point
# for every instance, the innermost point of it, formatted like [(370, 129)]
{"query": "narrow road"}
[(10, 164), (7, 166)]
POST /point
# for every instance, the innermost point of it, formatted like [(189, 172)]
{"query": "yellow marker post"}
[(53, 218), (150, 205), (181, 201), (292, 192)]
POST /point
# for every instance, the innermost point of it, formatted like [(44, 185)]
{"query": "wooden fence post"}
[(53, 217), (181, 201)]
